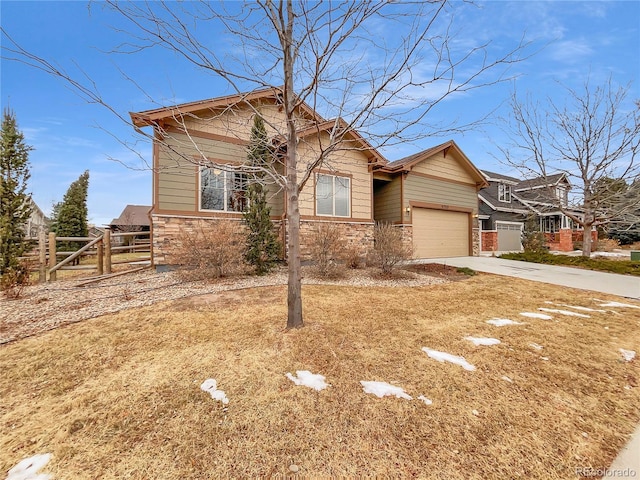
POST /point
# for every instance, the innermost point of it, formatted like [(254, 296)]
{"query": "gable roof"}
[(496, 177), (133, 215), (548, 181), (406, 164), (149, 117), (373, 155)]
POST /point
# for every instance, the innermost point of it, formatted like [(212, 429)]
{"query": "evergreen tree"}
[(263, 248), (15, 202), (71, 215)]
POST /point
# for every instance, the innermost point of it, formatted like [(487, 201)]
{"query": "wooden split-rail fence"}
[(102, 247)]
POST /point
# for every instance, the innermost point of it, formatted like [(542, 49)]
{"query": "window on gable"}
[(333, 195), (504, 193), (222, 191), (562, 196)]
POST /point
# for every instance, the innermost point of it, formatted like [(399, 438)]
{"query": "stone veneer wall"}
[(168, 231)]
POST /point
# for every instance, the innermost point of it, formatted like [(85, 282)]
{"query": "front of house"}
[(430, 195)]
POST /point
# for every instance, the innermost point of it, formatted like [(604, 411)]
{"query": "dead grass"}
[(119, 397)]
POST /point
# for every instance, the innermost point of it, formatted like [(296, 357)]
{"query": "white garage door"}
[(509, 236), (440, 233)]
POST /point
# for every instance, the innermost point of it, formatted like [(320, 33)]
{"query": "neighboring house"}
[(507, 202), (431, 195), (36, 220), (134, 218)]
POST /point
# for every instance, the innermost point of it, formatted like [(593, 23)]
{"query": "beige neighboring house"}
[(36, 220), (432, 195)]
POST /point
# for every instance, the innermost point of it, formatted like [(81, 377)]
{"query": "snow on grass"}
[(447, 357), (425, 400), (583, 309), (27, 469), (501, 322), (506, 379), (541, 316), (308, 379), (617, 304), (628, 355), (384, 389), (478, 341), (564, 312), (536, 346), (211, 386)]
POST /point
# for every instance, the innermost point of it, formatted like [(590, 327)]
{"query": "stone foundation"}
[(356, 236)]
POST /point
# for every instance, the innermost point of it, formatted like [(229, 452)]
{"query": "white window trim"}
[(333, 209), (225, 191), (504, 191)]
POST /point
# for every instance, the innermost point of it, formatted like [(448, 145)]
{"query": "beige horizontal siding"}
[(429, 190), (443, 166), (387, 200)]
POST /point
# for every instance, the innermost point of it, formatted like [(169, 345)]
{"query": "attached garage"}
[(440, 233), (509, 236)]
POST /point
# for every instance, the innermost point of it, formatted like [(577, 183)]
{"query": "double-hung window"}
[(222, 191), (333, 195), (504, 193)]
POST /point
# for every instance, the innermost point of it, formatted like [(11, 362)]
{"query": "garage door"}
[(509, 236), (440, 233)]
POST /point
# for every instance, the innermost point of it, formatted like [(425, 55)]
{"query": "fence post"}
[(106, 239), (52, 255), (101, 257), (42, 252)]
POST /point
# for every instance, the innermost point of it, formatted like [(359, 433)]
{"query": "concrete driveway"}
[(621, 285)]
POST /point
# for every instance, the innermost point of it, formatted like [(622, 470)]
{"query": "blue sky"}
[(576, 41)]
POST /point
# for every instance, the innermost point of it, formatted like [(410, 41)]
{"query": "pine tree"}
[(263, 247), (71, 219), (15, 202)]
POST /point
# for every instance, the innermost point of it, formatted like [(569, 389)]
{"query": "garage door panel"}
[(509, 236), (440, 233)]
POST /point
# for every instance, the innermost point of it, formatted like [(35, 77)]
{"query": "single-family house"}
[(431, 195), (507, 202), (36, 220)]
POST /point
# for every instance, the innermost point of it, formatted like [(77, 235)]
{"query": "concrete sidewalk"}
[(627, 463), (614, 284)]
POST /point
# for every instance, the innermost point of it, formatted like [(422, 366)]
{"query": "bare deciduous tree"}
[(594, 140), (378, 69)]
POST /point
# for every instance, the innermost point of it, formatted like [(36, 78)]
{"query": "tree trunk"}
[(586, 241), (294, 297)]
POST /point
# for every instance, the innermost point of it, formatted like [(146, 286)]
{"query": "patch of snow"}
[(501, 322), (541, 316), (27, 469), (506, 379), (618, 304), (475, 412), (536, 346), (548, 302), (308, 379), (447, 357), (425, 400), (584, 309), (478, 341), (610, 254), (606, 328), (384, 389), (564, 312), (628, 355), (211, 386), (545, 358)]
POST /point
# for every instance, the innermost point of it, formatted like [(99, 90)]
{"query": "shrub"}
[(388, 248), (533, 239), (353, 258), (607, 244), (212, 249), (327, 246), (14, 280)]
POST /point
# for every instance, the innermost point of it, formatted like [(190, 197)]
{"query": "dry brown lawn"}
[(118, 396)]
